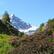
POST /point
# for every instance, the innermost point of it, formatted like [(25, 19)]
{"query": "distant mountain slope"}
[(18, 23)]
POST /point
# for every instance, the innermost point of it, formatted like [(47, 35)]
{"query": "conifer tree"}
[(5, 18)]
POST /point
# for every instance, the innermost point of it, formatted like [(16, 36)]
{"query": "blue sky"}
[(31, 11)]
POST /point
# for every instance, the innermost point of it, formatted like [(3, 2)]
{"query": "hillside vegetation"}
[(14, 42)]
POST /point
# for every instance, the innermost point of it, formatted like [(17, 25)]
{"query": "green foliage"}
[(6, 18), (4, 44), (41, 29), (51, 39), (8, 29), (50, 21), (3, 28), (20, 34), (50, 32), (4, 48), (51, 24)]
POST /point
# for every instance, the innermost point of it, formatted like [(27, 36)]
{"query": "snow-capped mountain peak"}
[(21, 25), (18, 23)]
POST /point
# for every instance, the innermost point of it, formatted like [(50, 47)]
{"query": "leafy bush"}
[(4, 48), (4, 44)]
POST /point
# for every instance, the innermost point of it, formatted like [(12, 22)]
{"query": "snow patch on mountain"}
[(33, 28)]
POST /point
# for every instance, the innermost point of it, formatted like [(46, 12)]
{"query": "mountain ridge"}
[(21, 25)]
